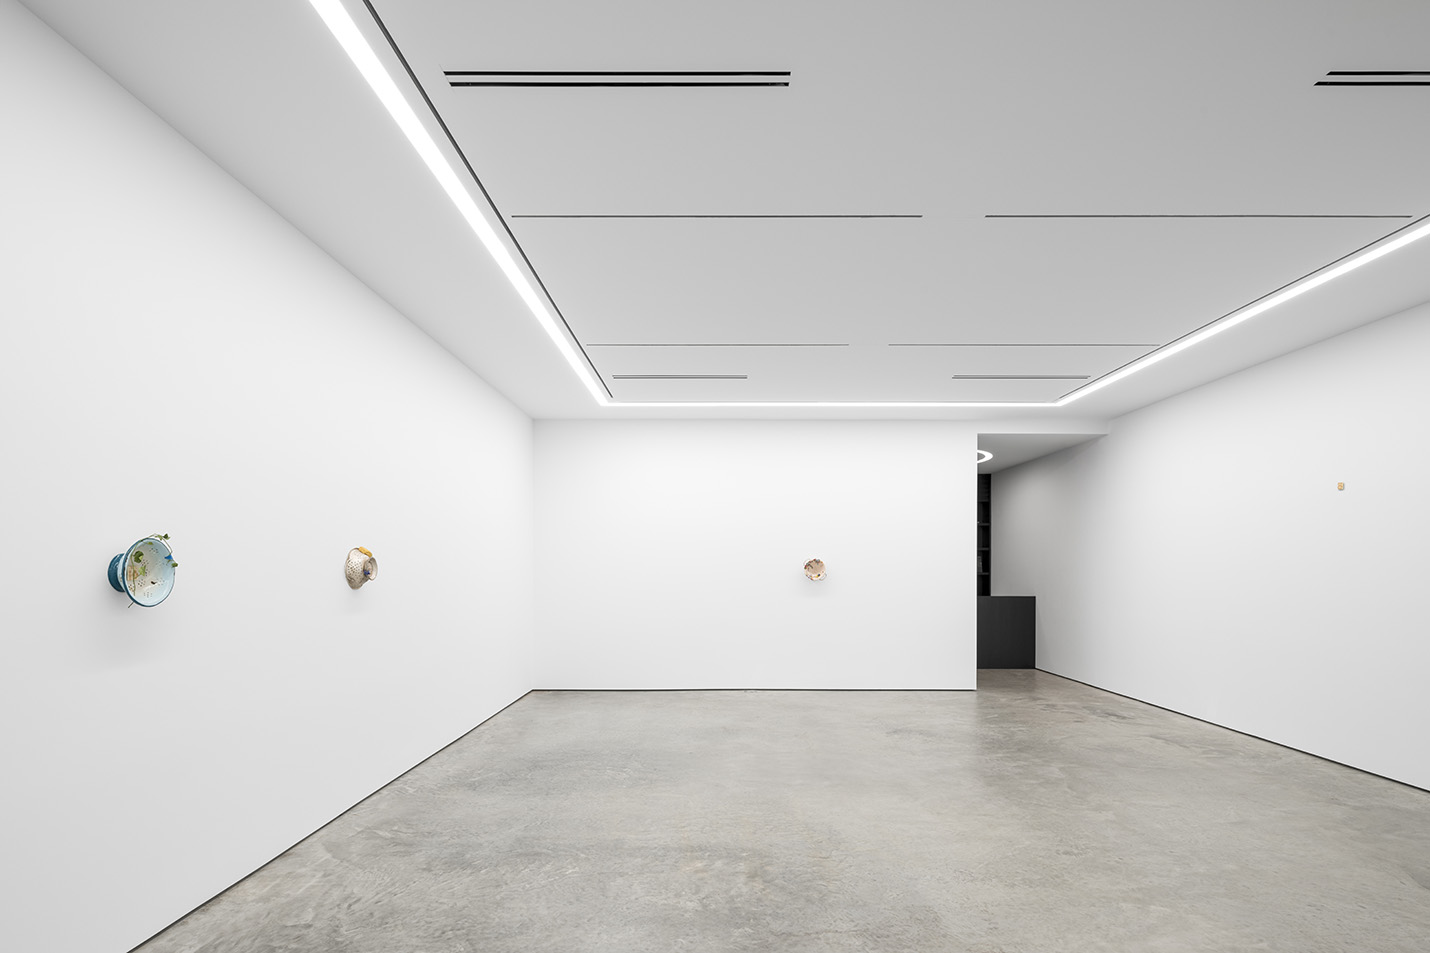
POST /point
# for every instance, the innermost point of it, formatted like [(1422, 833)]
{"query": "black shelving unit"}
[(1006, 624), (985, 553)]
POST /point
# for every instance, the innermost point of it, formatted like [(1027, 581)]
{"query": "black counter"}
[(1005, 632)]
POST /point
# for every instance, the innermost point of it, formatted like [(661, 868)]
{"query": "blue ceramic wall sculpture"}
[(145, 571)]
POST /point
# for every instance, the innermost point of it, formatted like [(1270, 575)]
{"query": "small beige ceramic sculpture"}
[(814, 569), (360, 568)]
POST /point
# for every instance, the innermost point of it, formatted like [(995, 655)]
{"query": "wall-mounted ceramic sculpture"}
[(145, 571), (814, 569), (361, 567)]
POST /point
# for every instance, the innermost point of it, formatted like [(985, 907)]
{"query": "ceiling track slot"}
[(717, 345), (700, 215), (614, 78), (1364, 77), (1191, 214)]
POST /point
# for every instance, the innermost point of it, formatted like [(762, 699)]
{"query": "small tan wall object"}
[(360, 568), (814, 569)]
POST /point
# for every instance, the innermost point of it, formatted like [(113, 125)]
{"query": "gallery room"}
[(782, 476)]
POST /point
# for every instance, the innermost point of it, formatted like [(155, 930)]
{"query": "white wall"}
[(176, 358), (1200, 557), (669, 554)]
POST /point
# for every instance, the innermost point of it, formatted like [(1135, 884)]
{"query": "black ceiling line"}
[(617, 78), (859, 403), (1274, 291), (597, 72), (718, 345), (1378, 72), (1017, 345), (1374, 82), (696, 215), (1193, 215), (631, 84), (422, 90)]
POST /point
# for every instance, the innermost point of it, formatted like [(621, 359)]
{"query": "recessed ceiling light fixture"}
[(335, 16), (345, 31), (984, 456), (1413, 232)]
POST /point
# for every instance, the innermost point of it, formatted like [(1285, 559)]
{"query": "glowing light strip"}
[(346, 32), (1363, 257), (984, 456)]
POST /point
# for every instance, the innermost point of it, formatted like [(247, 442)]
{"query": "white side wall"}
[(1201, 558), (670, 554), (176, 358)]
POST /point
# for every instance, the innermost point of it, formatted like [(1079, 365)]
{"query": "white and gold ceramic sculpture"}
[(360, 568), (814, 569)]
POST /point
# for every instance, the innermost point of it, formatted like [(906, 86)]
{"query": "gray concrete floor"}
[(1034, 815)]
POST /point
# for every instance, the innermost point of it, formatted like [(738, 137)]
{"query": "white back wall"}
[(178, 359), (1201, 558), (670, 554)]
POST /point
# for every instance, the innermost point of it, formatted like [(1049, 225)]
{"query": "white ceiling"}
[(949, 112), (1011, 449)]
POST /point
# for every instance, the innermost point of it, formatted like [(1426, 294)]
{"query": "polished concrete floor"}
[(1037, 814)]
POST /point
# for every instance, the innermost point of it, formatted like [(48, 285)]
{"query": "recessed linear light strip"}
[(346, 32), (1395, 241)]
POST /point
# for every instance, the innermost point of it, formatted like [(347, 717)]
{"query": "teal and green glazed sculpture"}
[(145, 571)]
